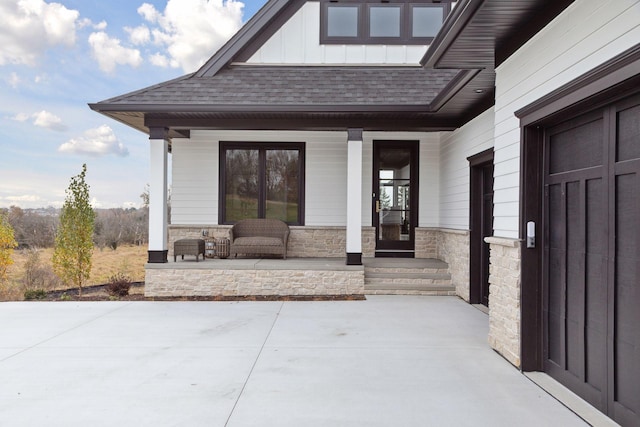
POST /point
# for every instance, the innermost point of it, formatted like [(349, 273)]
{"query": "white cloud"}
[(97, 142), (160, 60), (109, 52), (192, 30), (100, 26), (43, 119), (139, 35), (20, 117), (30, 26), (149, 12), (47, 120)]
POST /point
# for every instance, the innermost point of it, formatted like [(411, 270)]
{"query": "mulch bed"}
[(136, 293)]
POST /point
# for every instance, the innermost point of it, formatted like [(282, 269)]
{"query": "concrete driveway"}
[(386, 361)]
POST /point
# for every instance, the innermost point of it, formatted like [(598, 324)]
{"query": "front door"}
[(395, 197)]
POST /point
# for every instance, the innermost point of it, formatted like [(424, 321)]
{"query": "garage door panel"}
[(575, 278), (576, 148), (628, 146), (627, 295), (595, 285)]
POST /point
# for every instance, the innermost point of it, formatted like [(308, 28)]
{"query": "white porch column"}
[(354, 197), (159, 148)]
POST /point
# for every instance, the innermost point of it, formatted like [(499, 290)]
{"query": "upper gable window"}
[(386, 22)]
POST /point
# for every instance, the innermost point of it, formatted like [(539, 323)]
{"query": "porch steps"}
[(407, 277)]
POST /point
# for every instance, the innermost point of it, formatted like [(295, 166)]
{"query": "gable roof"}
[(456, 83), (270, 16)]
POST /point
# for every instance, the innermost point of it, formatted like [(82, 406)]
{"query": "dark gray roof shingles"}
[(296, 85)]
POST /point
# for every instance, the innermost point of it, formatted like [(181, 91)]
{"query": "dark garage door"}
[(591, 258)]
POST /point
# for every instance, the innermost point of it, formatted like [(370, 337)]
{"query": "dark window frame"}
[(262, 148), (363, 38)]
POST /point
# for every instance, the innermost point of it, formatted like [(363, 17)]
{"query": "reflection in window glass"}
[(384, 21), (282, 185), (342, 21), (426, 21), (241, 184)]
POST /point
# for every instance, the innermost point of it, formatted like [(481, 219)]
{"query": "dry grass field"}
[(106, 262)]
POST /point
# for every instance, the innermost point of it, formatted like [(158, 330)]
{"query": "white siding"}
[(195, 174), (194, 188), (326, 181), (585, 35), (298, 42), (473, 138)]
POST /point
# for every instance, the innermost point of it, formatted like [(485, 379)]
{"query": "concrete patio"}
[(386, 361)]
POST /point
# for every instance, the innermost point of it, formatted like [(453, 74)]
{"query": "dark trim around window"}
[(363, 38), (262, 148)]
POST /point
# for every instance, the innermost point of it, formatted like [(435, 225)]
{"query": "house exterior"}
[(500, 137)]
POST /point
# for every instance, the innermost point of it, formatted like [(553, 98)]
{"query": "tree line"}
[(37, 228)]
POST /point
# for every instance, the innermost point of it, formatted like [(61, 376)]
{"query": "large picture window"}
[(389, 22), (262, 180)]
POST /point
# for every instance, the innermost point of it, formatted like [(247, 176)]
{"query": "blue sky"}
[(58, 56)]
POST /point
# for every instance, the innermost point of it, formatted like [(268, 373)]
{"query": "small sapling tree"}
[(7, 244), (74, 239)]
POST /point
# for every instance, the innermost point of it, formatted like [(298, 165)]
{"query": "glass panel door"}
[(394, 197)]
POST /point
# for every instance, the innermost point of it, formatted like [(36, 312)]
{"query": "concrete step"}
[(428, 278)]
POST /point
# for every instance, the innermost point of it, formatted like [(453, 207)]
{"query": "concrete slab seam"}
[(255, 362), (63, 332)]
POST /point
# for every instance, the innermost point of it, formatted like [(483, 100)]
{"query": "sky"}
[(58, 56)]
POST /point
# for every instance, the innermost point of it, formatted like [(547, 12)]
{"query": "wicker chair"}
[(263, 236)]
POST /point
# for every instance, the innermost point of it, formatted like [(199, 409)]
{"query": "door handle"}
[(377, 206)]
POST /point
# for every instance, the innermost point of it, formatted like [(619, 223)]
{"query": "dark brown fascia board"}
[(374, 123), (615, 71), (253, 27), (453, 25), (452, 88), (188, 108)]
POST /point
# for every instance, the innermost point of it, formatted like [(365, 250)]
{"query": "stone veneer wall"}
[(304, 241), (504, 297), (453, 248), (426, 242), (167, 281)]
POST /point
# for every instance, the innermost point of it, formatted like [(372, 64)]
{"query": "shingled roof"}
[(226, 95), (242, 88)]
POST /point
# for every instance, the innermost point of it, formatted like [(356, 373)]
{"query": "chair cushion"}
[(257, 241)]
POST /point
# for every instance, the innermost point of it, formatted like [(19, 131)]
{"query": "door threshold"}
[(389, 253)]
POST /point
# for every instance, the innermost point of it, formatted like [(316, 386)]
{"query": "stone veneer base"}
[(171, 280), (504, 297)]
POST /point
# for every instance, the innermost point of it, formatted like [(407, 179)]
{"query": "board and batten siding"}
[(298, 42), (473, 138), (586, 34)]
